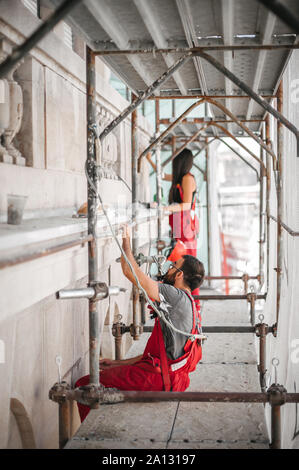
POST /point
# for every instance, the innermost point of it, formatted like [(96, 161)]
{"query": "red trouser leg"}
[(128, 377)]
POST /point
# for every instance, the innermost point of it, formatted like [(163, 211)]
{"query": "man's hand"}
[(126, 231), (107, 363)]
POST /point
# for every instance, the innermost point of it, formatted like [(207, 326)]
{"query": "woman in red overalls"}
[(183, 220)]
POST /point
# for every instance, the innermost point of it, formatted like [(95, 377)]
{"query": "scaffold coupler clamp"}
[(251, 297), (101, 290), (160, 245), (118, 328), (58, 392), (277, 395), (136, 331), (261, 329), (90, 395), (95, 395)]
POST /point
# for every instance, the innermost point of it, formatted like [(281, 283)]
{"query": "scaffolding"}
[(94, 394)]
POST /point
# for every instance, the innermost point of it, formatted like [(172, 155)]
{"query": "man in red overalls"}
[(169, 356)]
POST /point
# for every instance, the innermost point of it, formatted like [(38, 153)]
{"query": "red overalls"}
[(183, 227), (146, 374)]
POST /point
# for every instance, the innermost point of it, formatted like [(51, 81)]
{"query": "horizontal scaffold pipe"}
[(204, 120), (194, 50), (227, 297), (230, 277), (211, 329), (198, 97), (6, 263), (20, 51), (108, 396)]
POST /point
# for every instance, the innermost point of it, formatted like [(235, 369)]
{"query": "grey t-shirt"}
[(177, 308)]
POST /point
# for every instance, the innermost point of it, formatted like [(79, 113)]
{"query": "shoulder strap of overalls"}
[(182, 195), (163, 359), (195, 315)]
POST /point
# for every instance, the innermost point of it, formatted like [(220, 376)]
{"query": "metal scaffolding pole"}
[(245, 128), (207, 175), (197, 97), (196, 50), (211, 123), (19, 52), (279, 191), (148, 92), (293, 233), (261, 211), (240, 156), (189, 141), (282, 11), (252, 94), (169, 129), (135, 290), (268, 189), (94, 344), (158, 177)]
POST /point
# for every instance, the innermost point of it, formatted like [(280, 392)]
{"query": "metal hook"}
[(261, 317), (58, 361), (275, 363)]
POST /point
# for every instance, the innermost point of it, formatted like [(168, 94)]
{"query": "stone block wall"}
[(48, 133)]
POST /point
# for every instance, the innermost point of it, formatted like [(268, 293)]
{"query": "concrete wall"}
[(286, 346), (34, 326)]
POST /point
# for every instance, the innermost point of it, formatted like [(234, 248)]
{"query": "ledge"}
[(41, 233)]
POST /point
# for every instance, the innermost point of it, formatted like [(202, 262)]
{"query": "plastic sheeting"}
[(286, 346)]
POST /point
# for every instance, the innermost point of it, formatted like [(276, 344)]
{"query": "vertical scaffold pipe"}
[(280, 132), (268, 189), (158, 176), (275, 427), (134, 147), (261, 252), (94, 345), (208, 209), (64, 423)]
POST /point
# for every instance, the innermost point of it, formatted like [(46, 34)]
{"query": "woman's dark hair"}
[(194, 271), (181, 165)]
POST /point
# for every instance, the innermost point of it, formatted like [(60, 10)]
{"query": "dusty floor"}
[(228, 364)]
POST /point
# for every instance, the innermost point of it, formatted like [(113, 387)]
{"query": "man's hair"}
[(193, 270)]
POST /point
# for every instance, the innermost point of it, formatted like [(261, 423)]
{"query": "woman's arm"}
[(188, 186)]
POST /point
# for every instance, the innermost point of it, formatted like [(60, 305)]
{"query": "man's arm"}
[(150, 286)]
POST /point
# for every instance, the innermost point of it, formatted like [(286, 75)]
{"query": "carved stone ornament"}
[(109, 146), (11, 112)]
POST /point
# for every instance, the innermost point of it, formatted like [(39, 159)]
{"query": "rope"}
[(159, 312)]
